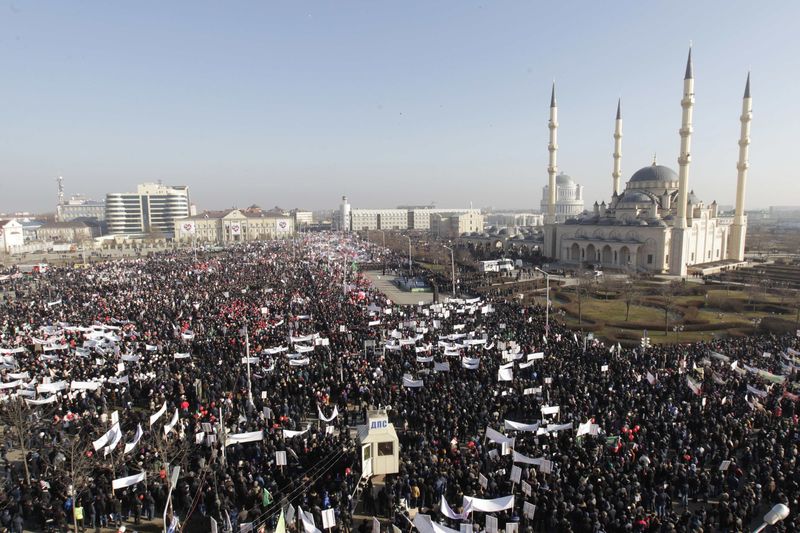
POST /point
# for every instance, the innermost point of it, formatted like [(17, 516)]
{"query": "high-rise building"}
[(153, 208)]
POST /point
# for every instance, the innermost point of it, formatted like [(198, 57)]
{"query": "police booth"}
[(380, 447)]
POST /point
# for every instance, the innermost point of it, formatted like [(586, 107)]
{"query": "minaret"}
[(685, 157), (617, 150), (739, 227), (552, 167)]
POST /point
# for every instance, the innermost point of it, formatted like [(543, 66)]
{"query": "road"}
[(398, 296)]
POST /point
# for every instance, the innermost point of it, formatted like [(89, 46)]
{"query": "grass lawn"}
[(609, 315)]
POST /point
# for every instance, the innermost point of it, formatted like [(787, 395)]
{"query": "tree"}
[(583, 286), (79, 465), (667, 294), (630, 293), (17, 414)]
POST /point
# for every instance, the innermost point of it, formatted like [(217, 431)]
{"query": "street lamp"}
[(547, 307), (453, 266), (775, 515), (409, 254)]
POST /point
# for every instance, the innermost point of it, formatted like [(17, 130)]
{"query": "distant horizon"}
[(299, 104)]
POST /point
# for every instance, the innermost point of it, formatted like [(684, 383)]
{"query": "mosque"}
[(657, 224)]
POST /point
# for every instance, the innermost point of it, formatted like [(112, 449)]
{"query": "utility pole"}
[(453, 268), (409, 254), (547, 306)]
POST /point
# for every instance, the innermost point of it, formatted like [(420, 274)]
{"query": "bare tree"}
[(76, 455), (16, 414), (667, 295), (582, 288), (172, 450), (630, 292)]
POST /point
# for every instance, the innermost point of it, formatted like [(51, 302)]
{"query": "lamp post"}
[(547, 306), (677, 330), (409, 254), (383, 250), (773, 516), (453, 268)]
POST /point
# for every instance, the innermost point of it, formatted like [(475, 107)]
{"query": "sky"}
[(298, 103)]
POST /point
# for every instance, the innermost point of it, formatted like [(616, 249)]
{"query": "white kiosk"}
[(380, 447)]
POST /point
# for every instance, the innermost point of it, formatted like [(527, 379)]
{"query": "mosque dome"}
[(635, 197), (565, 180), (654, 173)]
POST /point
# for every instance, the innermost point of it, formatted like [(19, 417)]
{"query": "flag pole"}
[(247, 356)]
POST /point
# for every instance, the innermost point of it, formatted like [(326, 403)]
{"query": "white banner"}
[(288, 433), (158, 414), (121, 483), (40, 401), (519, 458), (129, 446), (333, 415), (84, 385), (308, 521), (449, 513), (519, 426), (490, 506), (496, 436), (51, 387), (409, 381), (114, 440), (168, 427), (106, 438), (239, 438)]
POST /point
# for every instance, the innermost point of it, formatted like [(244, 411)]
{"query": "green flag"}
[(281, 527), (266, 497)]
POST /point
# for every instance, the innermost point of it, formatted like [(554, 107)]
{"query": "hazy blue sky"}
[(297, 103)]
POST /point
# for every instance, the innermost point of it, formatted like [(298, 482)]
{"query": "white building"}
[(657, 223), (79, 206), (569, 198), (453, 225), (234, 225), (401, 218), (11, 236), (302, 218), (153, 208)]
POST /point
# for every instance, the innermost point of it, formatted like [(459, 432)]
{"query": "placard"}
[(280, 459), (491, 524), (526, 488), (516, 474), (512, 527), (482, 481), (529, 510), (328, 518)]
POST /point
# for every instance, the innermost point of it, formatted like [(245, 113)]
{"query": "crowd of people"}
[(224, 372)]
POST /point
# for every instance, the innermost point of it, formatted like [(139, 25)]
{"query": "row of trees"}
[(69, 454)]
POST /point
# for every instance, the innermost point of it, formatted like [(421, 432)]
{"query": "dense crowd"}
[(115, 374)]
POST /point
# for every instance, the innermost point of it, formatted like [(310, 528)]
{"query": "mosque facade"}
[(656, 224)]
